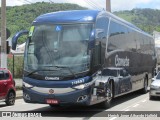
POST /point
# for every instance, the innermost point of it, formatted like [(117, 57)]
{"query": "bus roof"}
[(79, 16), (68, 16)]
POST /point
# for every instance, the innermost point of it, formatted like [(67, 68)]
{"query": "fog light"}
[(82, 98)]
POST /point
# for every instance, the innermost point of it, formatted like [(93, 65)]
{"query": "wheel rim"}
[(11, 98), (109, 92)]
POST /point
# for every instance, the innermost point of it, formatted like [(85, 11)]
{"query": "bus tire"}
[(144, 89), (109, 93)]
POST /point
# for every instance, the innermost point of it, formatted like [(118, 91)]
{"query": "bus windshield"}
[(58, 46)]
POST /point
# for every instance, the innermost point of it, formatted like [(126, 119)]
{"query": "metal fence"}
[(15, 64)]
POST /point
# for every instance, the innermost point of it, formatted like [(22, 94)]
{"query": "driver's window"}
[(2, 76)]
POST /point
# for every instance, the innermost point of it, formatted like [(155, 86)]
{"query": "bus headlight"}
[(26, 85), (82, 86)]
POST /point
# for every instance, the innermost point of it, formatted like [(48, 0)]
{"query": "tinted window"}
[(133, 40), (146, 44), (118, 37), (2, 77), (101, 35), (126, 38), (121, 37), (6, 74), (136, 46), (102, 27)]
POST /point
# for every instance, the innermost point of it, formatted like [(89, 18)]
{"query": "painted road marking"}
[(135, 105), (113, 118), (144, 100), (131, 106)]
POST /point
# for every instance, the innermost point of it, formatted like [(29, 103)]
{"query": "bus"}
[(84, 57)]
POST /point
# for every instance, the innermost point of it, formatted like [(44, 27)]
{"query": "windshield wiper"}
[(66, 68), (34, 71), (30, 73)]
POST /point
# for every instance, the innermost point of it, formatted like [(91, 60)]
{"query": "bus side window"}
[(101, 35), (97, 54)]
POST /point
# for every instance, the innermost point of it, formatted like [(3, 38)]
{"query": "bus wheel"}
[(144, 90), (109, 94)]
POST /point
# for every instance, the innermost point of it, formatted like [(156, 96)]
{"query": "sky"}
[(116, 5)]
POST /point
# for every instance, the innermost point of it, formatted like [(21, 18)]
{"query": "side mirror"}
[(16, 36)]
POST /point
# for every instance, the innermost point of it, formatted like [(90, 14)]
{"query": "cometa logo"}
[(121, 61), (51, 78)]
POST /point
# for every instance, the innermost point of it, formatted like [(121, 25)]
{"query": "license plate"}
[(52, 101)]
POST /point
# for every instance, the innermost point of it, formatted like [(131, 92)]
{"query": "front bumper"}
[(154, 92), (69, 98)]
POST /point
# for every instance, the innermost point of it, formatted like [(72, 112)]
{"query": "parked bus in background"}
[(84, 57)]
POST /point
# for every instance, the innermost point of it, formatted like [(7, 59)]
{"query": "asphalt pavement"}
[(133, 106)]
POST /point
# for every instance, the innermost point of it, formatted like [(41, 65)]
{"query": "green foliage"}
[(21, 17), (146, 19)]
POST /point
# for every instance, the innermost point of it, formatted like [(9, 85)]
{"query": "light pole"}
[(3, 35), (108, 5)]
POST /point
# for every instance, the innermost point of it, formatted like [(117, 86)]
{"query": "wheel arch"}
[(10, 90)]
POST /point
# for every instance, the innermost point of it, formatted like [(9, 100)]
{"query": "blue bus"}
[(84, 57)]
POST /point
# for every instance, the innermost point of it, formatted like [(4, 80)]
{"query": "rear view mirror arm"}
[(16, 36)]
